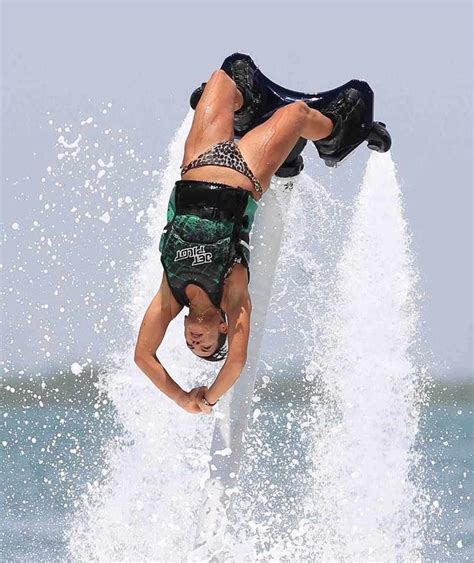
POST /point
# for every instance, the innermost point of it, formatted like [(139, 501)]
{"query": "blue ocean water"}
[(53, 453)]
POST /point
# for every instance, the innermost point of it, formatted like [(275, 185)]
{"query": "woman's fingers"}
[(200, 391), (197, 394), (205, 408)]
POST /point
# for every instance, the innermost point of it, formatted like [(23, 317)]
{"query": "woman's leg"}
[(214, 115), (266, 147)]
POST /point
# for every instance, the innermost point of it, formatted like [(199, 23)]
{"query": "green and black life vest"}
[(207, 230)]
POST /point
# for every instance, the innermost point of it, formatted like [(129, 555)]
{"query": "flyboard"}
[(231, 422)]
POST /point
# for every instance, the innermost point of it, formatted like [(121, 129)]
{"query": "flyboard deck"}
[(273, 96), (232, 421)]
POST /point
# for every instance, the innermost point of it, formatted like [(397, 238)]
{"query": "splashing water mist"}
[(360, 497), (360, 500), (146, 507), (367, 492)]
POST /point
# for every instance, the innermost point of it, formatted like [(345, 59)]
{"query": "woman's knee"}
[(296, 110), (218, 75), (289, 120)]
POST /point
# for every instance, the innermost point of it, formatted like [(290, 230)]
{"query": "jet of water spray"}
[(366, 499)]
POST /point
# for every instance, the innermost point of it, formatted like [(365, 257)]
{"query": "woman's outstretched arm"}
[(158, 316), (239, 312)]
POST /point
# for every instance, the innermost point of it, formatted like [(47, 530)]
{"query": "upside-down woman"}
[(205, 246)]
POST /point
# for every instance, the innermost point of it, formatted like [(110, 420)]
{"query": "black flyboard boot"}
[(196, 95), (242, 73), (347, 113)]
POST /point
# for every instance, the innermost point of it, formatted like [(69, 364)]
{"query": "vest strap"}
[(211, 200)]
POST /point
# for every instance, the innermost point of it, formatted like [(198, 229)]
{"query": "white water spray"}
[(365, 496), (361, 502), (147, 506)]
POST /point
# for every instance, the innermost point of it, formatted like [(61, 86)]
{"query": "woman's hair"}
[(221, 351)]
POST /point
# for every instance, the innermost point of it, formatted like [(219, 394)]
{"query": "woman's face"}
[(202, 336)]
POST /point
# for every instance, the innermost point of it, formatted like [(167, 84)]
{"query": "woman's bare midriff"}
[(222, 175)]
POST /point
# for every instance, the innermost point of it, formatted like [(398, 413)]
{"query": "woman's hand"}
[(204, 408), (192, 400)]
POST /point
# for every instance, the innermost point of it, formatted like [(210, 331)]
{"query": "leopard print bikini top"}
[(226, 154)]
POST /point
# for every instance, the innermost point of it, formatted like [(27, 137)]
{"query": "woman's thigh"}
[(213, 123), (213, 120), (266, 147)]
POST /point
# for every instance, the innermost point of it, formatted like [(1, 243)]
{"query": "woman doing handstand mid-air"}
[(212, 208)]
